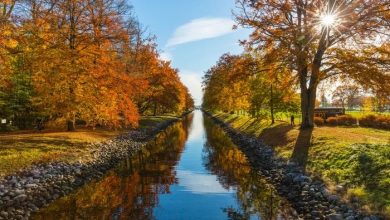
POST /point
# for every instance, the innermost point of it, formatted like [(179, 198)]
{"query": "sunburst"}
[(328, 20)]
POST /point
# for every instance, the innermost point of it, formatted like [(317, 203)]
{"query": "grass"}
[(151, 121), (356, 157), (359, 114), (21, 149)]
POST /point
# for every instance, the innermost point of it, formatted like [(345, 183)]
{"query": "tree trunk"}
[(71, 123), (155, 109), (272, 105), (308, 99)]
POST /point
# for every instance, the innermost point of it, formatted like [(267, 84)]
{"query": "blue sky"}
[(193, 34)]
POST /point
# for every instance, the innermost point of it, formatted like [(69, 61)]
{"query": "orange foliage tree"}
[(243, 83), (318, 39), (87, 61)]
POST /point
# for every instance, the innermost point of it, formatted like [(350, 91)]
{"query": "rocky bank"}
[(309, 197), (25, 192)]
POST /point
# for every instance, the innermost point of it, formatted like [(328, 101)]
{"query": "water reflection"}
[(131, 190), (191, 171), (256, 198)]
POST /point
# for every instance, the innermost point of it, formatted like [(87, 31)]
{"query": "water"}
[(190, 171)]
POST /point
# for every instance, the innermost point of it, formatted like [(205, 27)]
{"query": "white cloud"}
[(197, 130), (193, 81), (166, 56), (199, 183), (199, 29)]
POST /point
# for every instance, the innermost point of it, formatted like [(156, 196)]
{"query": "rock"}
[(20, 197), (4, 214), (18, 192), (78, 172), (333, 198), (31, 185), (350, 218), (315, 213), (318, 195), (325, 192), (340, 188), (334, 216), (301, 179)]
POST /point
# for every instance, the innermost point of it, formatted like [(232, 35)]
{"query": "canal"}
[(192, 170)]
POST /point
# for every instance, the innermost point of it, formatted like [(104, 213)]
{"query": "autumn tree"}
[(85, 60), (318, 40), (346, 95), (243, 82), (226, 84)]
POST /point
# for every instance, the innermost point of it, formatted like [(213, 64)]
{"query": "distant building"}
[(326, 112)]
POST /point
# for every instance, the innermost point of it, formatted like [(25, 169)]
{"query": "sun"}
[(328, 20)]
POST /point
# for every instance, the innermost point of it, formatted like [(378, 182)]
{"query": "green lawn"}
[(359, 114), (22, 149), (356, 157)]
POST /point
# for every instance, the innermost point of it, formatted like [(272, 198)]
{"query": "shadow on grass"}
[(242, 127), (301, 149), (276, 135), (22, 145)]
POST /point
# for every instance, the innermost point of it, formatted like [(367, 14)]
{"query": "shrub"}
[(383, 122), (367, 121), (346, 120), (375, 121), (331, 121), (318, 121)]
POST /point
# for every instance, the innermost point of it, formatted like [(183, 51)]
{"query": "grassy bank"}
[(357, 158), (21, 149)]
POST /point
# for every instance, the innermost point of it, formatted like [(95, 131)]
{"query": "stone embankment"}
[(309, 197), (25, 192)]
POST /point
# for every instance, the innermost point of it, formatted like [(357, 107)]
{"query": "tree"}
[(346, 95), (243, 82), (226, 84), (308, 35), (82, 60)]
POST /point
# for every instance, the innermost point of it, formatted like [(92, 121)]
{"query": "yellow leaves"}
[(11, 43), (6, 32)]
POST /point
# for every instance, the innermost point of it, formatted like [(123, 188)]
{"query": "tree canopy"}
[(88, 60), (319, 40)]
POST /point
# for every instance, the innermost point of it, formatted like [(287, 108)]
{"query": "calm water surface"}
[(190, 171)]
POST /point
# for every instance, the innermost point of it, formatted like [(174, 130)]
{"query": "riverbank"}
[(353, 161), (21, 149), (308, 195), (36, 186)]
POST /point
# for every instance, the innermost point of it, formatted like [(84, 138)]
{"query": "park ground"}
[(353, 161), (21, 149)]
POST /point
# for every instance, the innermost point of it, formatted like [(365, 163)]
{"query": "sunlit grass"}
[(359, 114), (338, 154), (22, 149)]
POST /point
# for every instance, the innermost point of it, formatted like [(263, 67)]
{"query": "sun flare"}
[(328, 20)]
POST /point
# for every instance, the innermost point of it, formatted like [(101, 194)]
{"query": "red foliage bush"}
[(346, 120), (367, 121), (375, 121), (319, 121), (383, 122), (331, 121)]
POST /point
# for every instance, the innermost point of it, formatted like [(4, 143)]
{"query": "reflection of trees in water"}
[(131, 190), (254, 195)]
